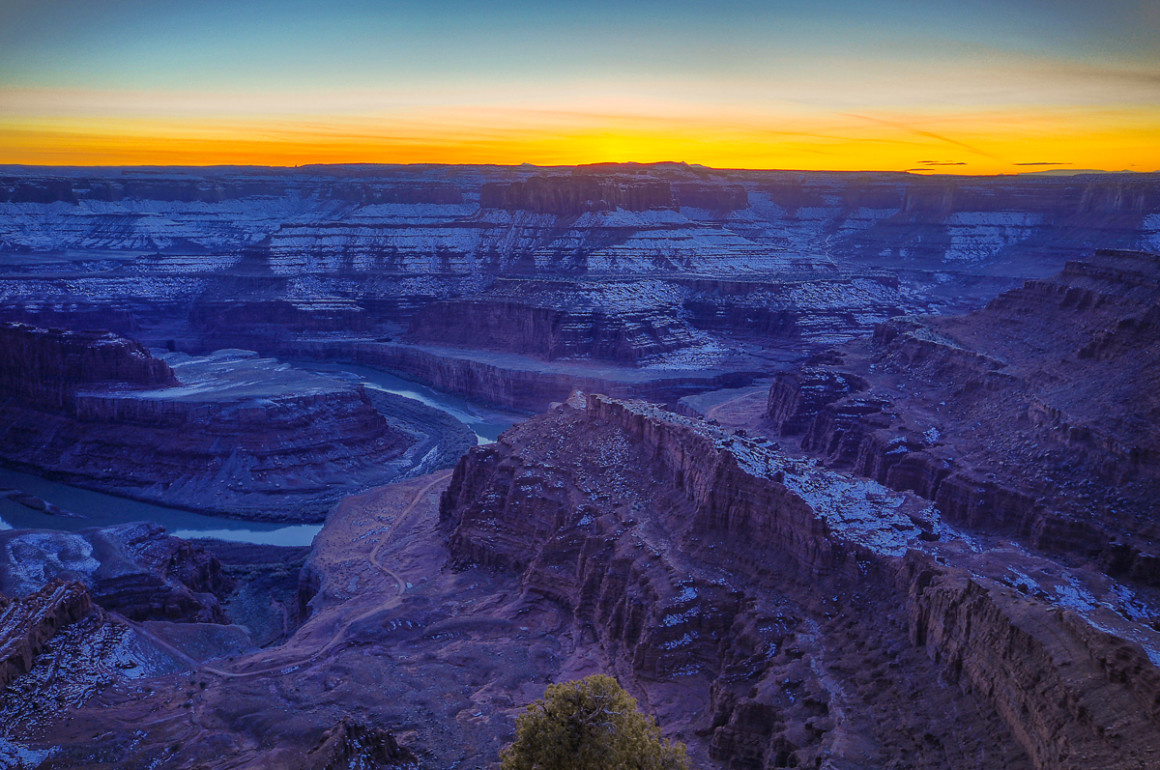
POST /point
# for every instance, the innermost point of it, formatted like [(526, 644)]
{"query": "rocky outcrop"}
[(1009, 419), (349, 746), (721, 560), (621, 322), (243, 436), (573, 195), (796, 397), (133, 569), (27, 622), (47, 367)]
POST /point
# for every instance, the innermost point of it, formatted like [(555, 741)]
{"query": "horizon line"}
[(913, 172)]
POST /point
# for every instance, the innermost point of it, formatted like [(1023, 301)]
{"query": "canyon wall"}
[(237, 435), (211, 258), (27, 622), (1011, 419), (47, 368), (694, 552)]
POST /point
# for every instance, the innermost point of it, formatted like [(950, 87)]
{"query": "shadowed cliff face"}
[(48, 368), (795, 599), (1034, 417)]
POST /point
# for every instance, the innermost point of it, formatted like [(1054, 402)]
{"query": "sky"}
[(969, 87)]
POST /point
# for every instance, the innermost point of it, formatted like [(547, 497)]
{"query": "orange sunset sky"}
[(929, 87)]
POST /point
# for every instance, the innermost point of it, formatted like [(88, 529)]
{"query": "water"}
[(99, 509), (487, 423)]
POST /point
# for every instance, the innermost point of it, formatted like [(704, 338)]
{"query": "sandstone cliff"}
[(240, 435), (1033, 417), (697, 555), (27, 622)]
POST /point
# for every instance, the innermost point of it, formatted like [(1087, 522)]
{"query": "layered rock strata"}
[(28, 622), (133, 569), (576, 194), (1035, 417), (524, 383), (620, 322), (48, 367), (239, 435), (698, 556)]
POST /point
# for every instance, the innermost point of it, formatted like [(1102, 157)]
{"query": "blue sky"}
[(490, 66)]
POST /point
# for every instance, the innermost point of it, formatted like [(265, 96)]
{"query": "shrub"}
[(590, 724)]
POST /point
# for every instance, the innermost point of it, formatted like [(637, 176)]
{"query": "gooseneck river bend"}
[(96, 509)]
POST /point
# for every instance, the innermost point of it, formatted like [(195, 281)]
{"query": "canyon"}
[(226, 433), (829, 470)]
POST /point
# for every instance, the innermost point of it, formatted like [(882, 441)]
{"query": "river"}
[(96, 509)]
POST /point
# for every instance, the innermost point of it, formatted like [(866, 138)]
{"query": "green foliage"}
[(591, 724)]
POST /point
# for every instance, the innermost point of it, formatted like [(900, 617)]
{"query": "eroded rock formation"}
[(133, 569), (700, 556), (28, 622), (237, 435), (1034, 417)]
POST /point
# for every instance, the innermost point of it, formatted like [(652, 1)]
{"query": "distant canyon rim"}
[(832, 470)]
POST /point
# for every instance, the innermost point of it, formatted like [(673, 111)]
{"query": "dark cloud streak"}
[(928, 134)]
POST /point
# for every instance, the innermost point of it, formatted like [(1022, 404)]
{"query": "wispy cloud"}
[(928, 134), (1044, 163)]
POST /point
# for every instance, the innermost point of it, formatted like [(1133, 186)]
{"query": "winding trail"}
[(403, 519)]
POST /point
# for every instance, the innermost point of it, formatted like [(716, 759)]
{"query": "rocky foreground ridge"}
[(771, 612), (794, 599)]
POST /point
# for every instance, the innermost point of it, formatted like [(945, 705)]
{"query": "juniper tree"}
[(590, 724)]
